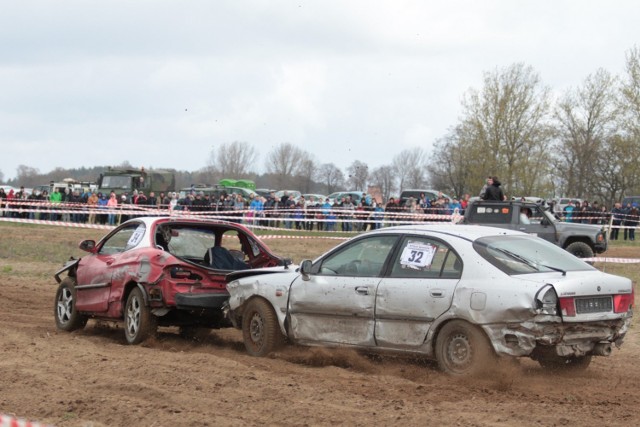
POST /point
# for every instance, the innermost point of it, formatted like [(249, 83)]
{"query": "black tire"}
[(580, 250), (67, 316), (194, 333), (260, 328), (463, 349), (568, 364), (139, 322)]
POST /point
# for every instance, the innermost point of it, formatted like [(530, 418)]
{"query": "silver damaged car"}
[(462, 295)]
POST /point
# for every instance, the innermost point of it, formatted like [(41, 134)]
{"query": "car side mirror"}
[(545, 222), (87, 245), (305, 269)]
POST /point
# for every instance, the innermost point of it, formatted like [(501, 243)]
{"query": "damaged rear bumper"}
[(565, 339), (208, 301)]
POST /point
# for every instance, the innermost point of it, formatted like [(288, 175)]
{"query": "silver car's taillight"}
[(547, 301)]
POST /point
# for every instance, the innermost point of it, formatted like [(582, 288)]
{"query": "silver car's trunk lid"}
[(586, 296)]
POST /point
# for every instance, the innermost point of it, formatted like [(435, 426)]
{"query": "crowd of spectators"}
[(345, 214), (625, 217)]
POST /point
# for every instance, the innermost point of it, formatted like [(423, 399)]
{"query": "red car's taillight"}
[(182, 273)]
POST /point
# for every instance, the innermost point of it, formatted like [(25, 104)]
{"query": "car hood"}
[(582, 283), (577, 227)]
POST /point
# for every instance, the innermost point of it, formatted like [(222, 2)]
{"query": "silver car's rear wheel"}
[(463, 349)]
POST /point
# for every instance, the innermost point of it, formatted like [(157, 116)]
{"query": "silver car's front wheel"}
[(260, 328), (139, 322)]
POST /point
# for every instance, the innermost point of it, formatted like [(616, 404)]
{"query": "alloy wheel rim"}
[(133, 317), (65, 305)]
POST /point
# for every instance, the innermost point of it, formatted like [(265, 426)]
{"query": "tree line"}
[(582, 143)]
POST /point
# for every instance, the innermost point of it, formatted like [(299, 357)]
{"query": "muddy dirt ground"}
[(91, 378)]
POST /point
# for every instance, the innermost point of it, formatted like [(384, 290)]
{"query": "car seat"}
[(221, 259)]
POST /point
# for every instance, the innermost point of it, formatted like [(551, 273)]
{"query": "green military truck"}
[(123, 181), (581, 240)]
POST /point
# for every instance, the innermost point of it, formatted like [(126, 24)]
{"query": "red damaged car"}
[(158, 271)]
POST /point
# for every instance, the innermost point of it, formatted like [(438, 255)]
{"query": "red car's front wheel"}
[(67, 316)]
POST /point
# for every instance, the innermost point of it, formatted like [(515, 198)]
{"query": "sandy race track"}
[(91, 378)]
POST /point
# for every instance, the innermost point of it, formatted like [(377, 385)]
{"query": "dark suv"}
[(581, 240)]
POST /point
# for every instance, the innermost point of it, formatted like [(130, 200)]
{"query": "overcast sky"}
[(160, 83)]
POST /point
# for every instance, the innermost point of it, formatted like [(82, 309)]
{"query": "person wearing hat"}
[(102, 206), (142, 199), (198, 203)]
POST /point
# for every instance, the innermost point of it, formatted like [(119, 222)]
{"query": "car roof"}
[(465, 231), (155, 220)]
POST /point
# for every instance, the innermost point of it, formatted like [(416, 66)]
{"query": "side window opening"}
[(420, 257), (364, 258), (536, 215), (498, 214), (123, 240)]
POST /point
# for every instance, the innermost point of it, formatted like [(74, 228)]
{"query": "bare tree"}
[(232, 160), (417, 171), (27, 176), (358, 175), (384, 178), (449, 169), (586, 119), (307, 171), (1, 176), (400, 169), (331, 177), (284, 161), (410, 168)]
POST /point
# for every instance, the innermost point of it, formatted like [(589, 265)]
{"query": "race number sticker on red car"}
[(417, 255), (136, 237)]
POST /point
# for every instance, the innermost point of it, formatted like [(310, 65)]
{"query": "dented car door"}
[(97, 272), (337, 303), (418, 289)]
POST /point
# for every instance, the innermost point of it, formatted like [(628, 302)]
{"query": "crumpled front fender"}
[(68, 266)]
